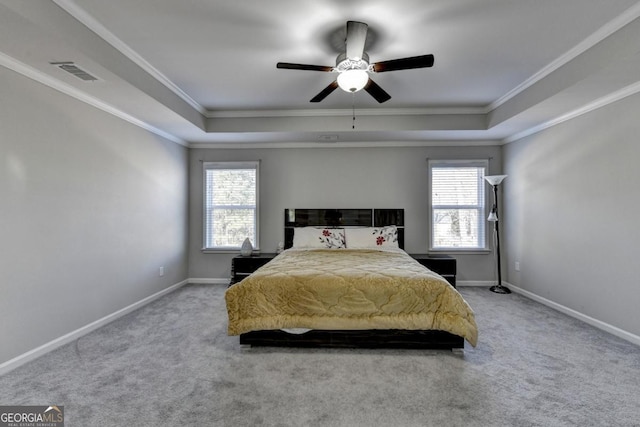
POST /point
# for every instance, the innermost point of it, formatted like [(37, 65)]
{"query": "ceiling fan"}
[(354, 68)]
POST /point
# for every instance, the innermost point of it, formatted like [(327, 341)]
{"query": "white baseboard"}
[(72, 336), (478, 283), (628, 336), (208, 281)]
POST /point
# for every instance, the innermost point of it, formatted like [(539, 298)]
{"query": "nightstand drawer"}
[(444, 265), (243, 266)]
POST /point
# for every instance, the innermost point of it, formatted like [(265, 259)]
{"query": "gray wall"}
[(572, 214), (335, 178), (90, 208)]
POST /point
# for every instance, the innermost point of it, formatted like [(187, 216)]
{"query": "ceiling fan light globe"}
[(353, 80)]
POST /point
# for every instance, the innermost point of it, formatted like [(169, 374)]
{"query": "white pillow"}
[(372, 237), (312, 238)]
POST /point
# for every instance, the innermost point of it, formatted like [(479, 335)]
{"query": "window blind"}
[(230, 204), (457, 204)]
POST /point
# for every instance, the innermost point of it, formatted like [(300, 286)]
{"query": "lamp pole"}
[(495, 181), (499, 289)]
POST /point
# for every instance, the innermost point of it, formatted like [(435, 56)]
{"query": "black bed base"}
[(378, 338), (393, 338)]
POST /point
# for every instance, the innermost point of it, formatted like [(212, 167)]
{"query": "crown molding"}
[(349, 144), (40, 77), (606, 30), (82, 16), (345, 112), (602, 33), (598, 103), (90, 22)]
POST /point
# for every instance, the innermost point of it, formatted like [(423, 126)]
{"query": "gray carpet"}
[(172, 364)]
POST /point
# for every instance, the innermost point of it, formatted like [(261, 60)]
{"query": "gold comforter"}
[(344, 289)]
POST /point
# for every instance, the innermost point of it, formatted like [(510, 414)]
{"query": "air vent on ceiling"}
[(73, 69), (328, 138)]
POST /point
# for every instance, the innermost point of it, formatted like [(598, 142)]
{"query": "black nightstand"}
[(242, 266), (444, 265)]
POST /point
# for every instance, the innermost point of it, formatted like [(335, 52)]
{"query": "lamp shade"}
[(495, 179), (353, 80)]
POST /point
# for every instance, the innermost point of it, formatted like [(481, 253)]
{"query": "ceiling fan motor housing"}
[(343, 63)]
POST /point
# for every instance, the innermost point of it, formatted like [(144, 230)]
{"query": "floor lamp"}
[(495, 181)]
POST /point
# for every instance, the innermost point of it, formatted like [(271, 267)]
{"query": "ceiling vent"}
[(73, 69), (328, 138)]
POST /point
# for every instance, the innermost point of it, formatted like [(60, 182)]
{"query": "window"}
[(230, 204), (457, 204)]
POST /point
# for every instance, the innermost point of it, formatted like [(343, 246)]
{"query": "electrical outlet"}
[(161, 271), (517, 266)]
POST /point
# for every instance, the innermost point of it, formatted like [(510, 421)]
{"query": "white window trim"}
[(255, 164), (459, 162)]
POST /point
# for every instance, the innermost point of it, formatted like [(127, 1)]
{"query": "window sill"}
[(450, 251), (225, 251)]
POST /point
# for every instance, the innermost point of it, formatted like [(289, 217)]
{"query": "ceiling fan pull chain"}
[(353, 110)]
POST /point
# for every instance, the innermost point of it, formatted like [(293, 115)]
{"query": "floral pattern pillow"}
[(311, 237), (372, 237)]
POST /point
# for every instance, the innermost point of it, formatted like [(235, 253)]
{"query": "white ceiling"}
[(203, 72)]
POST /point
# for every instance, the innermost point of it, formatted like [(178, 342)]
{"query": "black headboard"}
[(342, 218)]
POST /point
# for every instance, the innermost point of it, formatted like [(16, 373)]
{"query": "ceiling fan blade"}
[(377, 92), (290, 66), (356, 38), (423, 61), (325, 92)]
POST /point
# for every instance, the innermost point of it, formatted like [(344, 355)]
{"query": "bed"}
[(321, 291)]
